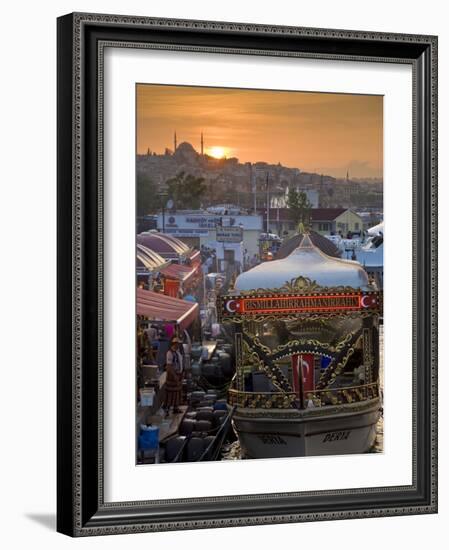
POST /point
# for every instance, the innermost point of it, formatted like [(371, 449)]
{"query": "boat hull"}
[(345, 429)]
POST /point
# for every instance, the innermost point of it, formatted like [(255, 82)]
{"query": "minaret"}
[(321, 191), (175, 142), (348, 189), (202, 144)]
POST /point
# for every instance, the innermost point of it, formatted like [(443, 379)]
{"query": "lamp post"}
[(163, 194), (252, 178), (268, 204), (277, 217)]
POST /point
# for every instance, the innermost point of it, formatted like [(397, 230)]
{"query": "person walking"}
[(175, 371)]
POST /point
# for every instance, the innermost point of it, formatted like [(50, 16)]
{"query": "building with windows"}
[(335, 220), (229, 230), (325, 221)]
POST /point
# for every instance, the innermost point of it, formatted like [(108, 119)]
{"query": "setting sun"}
[(217, 152)]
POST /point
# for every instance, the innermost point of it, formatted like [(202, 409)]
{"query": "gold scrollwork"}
[(303, 285), (259, 318), (303, 342), (323, 381)]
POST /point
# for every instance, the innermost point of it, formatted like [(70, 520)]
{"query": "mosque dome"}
[(185, 150)]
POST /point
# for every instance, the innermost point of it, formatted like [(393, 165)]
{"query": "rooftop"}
[(317, 214), (324, 244), (307, 261)]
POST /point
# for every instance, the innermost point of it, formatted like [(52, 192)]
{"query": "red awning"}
[(179, 272), (195, 257), (165, 308)]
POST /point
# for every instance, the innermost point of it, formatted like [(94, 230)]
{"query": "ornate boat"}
[(307, 356)]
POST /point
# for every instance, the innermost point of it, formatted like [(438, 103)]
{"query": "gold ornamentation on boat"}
[(303, 285), (264, 317)]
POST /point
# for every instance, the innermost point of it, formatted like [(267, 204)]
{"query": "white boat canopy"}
[(308, 261), (378, 229)]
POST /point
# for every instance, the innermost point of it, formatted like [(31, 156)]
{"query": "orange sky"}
[(317, 132)]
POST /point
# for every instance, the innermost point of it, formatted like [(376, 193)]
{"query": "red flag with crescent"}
[(305, 363)]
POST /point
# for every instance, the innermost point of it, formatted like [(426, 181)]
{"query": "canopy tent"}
[(195, 257), (165, 308), (179, 272), (148, 259), (165, 245), (168, 246)]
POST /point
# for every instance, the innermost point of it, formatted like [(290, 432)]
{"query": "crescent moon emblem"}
[(230, 307), (367, 301)]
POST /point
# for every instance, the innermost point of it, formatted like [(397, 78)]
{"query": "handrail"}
[(319, 398), (220, 435)]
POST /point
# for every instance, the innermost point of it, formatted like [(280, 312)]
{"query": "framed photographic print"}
[(246, 274)]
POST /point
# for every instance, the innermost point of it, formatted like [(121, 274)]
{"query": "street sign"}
[(232, 234)]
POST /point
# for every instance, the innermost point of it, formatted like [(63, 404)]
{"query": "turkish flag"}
[(308, 372), (368, 300), (304, 363)]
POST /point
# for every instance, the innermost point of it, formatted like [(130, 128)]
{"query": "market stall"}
[(159, 307), (180, 278), (148, 265)]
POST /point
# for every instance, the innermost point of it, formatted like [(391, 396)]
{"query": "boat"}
[(199, 445), (371, 254), (274, 434), (368, 252), (307, 356), (191, 435)]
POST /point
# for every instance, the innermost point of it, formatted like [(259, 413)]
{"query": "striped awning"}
[(194, 257), (159, 307), (148, 259), (179, 272), (165, 245)]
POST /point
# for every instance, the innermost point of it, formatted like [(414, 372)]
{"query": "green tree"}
[(300, 207), (148, 201), (186, 190)]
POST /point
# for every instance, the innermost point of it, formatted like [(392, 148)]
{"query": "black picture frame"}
[(81, 510)]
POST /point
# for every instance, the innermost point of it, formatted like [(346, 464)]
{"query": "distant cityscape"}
[(250, 185)]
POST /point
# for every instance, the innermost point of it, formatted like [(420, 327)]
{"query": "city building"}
[(279, 197), (254, 185), (228, 230), (335, 220), (323, 220)]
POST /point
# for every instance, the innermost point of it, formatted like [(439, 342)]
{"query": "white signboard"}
[(229, 234)]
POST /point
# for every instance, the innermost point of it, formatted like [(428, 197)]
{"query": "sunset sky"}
[(316, 132)]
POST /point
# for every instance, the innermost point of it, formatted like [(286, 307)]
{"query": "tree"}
[(299, 206), (186, 190), (147, 196)]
